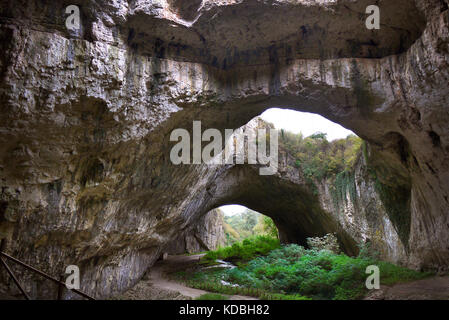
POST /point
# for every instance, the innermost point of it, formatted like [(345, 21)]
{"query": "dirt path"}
[(156, 285), (435, 288)]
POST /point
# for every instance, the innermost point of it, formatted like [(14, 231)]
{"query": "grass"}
[(212, 296), (214, 286), (294, 273)]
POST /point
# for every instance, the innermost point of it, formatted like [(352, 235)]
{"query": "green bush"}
[(328, 242), (270, 271), (319, 274), (244, 251)]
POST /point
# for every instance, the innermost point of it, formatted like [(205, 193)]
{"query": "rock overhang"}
[(238, 33)]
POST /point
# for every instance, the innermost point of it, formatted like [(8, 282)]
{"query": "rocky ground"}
[(436, 288)]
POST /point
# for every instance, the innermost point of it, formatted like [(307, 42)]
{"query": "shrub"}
[(246, 250), (318, 274), (328, 242), (291, 271)]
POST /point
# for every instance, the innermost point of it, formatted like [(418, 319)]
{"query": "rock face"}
[(364, 214), (85, 173), (205, 235)]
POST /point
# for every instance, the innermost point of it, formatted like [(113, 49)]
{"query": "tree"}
[(249, 220), (265, 226)]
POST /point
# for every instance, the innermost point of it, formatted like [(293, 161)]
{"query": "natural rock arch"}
[(87, 117), (288, 200)]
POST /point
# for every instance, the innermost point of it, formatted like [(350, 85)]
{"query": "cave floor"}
[(435, 288)]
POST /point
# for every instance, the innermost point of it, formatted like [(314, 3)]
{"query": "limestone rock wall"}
[(364, 215), (85, 173), (205, 235)]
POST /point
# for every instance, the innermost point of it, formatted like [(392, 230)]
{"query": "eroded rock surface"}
[(85, 172), (204, 235)]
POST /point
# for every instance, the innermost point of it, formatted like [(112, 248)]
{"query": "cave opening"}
[(304, 123), (312, 151), (240, 223)]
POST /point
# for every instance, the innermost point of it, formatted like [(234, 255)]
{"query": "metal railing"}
[(60, 283)]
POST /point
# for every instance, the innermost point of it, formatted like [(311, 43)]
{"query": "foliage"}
[(293, 271), (265, 226), (215, 286), (328, 242), (316, 274), (366, 251), (247, 224), (231, 234), (245, 250), (319, 158), (280, 296), (212, 296), (240, 226)]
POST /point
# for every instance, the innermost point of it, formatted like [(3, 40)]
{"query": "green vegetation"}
[(210, 280), (293, 272), (240, 226), (243, 291), (316, 274), (212, 296), (319, 158), (265, 226), (245, 250), (247, 224)]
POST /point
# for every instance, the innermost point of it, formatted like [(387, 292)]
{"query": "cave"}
[(85, 171)]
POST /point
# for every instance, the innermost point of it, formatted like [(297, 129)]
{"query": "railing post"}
[(8, 269), (43, 274)]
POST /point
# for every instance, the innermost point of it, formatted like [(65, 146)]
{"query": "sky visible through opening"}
[(232, 209), (307, 123), (296, 122)]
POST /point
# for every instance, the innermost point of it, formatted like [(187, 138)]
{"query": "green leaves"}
[(319, 274), (246, 250), (247, 224), (293, 272), (317, 157)]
